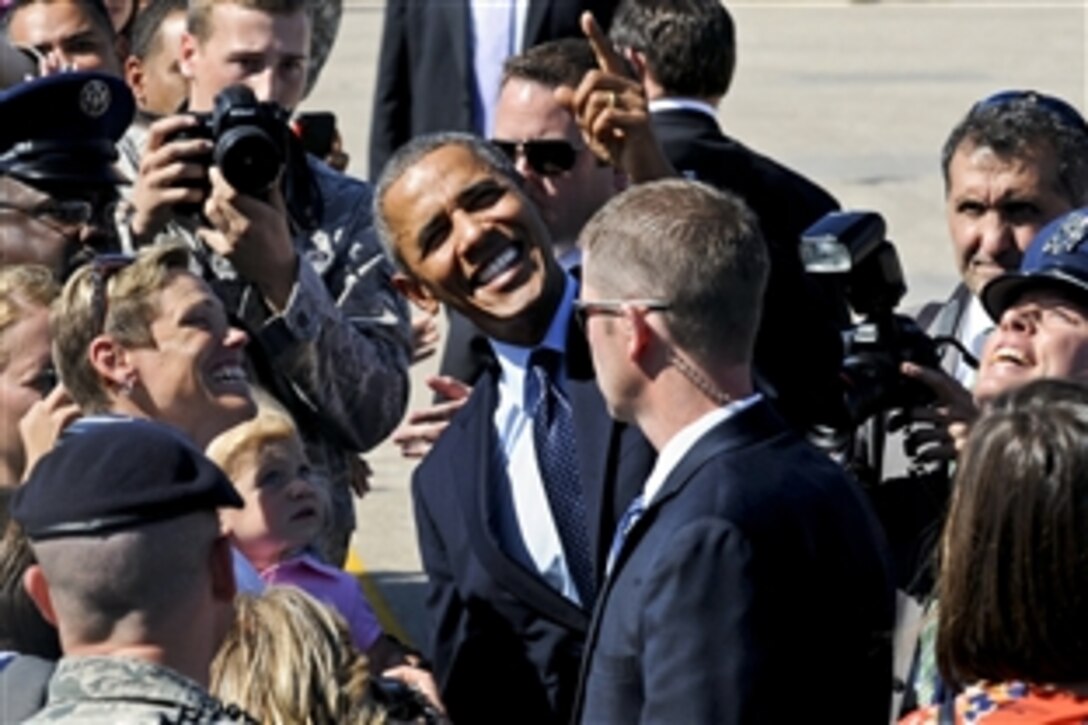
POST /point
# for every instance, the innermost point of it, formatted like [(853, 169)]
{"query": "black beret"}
[(109, 473), (64, 128)]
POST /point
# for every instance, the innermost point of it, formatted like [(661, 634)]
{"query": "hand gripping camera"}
[(250, 139)]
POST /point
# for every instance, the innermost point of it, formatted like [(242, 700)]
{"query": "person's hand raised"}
[(611, 108)]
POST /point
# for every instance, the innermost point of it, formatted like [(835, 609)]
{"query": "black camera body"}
[(853, 243), (249, 136)]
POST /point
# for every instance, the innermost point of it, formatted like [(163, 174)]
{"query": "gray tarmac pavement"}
[(857, 95)]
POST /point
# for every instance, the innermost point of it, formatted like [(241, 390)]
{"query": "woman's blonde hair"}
[(289, 660), (23, 287), (122, 307)]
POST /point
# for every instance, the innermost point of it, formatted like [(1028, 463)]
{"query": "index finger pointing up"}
[(608, 60)]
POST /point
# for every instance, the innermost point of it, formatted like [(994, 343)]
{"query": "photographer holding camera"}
[(285, 241)]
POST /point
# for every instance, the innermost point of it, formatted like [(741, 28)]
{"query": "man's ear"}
[(639, 334), (637, 61), (221, 562), (416, 293), (134, 76), (111, 360), (189, 48), (38, 589)]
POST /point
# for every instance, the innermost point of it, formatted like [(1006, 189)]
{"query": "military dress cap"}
[(109, 473), (1057, 259), (63, 128)]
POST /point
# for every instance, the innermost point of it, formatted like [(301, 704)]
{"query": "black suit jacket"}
[(506, 646), (798, 349), (425, 65), (755, 584)]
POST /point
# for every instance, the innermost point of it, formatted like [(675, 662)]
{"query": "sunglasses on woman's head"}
[(545, 156), (103, 267)]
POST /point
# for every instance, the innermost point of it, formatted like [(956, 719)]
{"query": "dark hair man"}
[(302, 267), (153, 67), (1016, 161), (684, 53), (73, 35), (708, 605), (517, 500)]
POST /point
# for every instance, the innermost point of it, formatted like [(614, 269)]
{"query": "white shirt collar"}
[(683, 104), (678, 446)]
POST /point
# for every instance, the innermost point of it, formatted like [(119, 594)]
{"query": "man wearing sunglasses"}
[(516, 502), (58, 187)]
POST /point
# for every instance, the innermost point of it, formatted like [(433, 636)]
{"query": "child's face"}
[(282, 507)]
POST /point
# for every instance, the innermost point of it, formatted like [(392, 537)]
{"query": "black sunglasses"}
[(545, 156), (1066, 114), (103, 267)]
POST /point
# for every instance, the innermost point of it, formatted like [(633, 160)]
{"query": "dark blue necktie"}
[(557, 459)]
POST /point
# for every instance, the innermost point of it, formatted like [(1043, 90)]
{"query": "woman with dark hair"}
[(1013, 586)]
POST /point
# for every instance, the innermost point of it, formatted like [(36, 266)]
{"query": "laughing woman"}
[(145, 337)]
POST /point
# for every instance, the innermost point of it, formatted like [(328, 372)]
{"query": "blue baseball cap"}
[(64, 128), (1056, 259)]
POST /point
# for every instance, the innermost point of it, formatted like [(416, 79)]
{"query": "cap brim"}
[(1001, 293)]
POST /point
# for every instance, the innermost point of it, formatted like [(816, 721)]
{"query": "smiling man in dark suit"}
[(517, 501), (684, 53), (749, 561)]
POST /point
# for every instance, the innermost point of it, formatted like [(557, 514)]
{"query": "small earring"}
[(127, 386)]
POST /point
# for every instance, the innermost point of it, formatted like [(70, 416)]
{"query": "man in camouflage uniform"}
[(133, 571), (300, 267)]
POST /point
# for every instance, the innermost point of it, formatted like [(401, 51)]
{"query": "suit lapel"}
[(478, 476)]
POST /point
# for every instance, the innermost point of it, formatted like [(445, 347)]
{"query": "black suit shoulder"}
[(758, 563)]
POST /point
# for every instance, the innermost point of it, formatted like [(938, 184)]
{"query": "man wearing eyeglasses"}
[(516, 502), (749, 555), (300, 267), (58, 187)]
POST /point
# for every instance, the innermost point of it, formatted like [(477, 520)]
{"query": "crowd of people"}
[(625, 504)]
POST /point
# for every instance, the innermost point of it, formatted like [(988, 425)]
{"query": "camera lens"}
[(249, 158)]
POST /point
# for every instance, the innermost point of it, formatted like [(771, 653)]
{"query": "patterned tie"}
[(627, 522), (557, 459)]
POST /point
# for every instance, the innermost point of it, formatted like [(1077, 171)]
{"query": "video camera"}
[(853, 244), (250, 138)]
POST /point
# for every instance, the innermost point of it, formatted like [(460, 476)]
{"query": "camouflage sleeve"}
[(348, 345)]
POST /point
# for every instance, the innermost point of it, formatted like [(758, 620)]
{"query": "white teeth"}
[(229, 373), (497, 266), (1006, 354)]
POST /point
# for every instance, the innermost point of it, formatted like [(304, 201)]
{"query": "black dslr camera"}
[(250, 139), (853, 244)]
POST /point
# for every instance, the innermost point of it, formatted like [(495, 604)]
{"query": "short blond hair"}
[(200, 12), (270, 425), (131, 302), (289, 659), (23, 287)]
